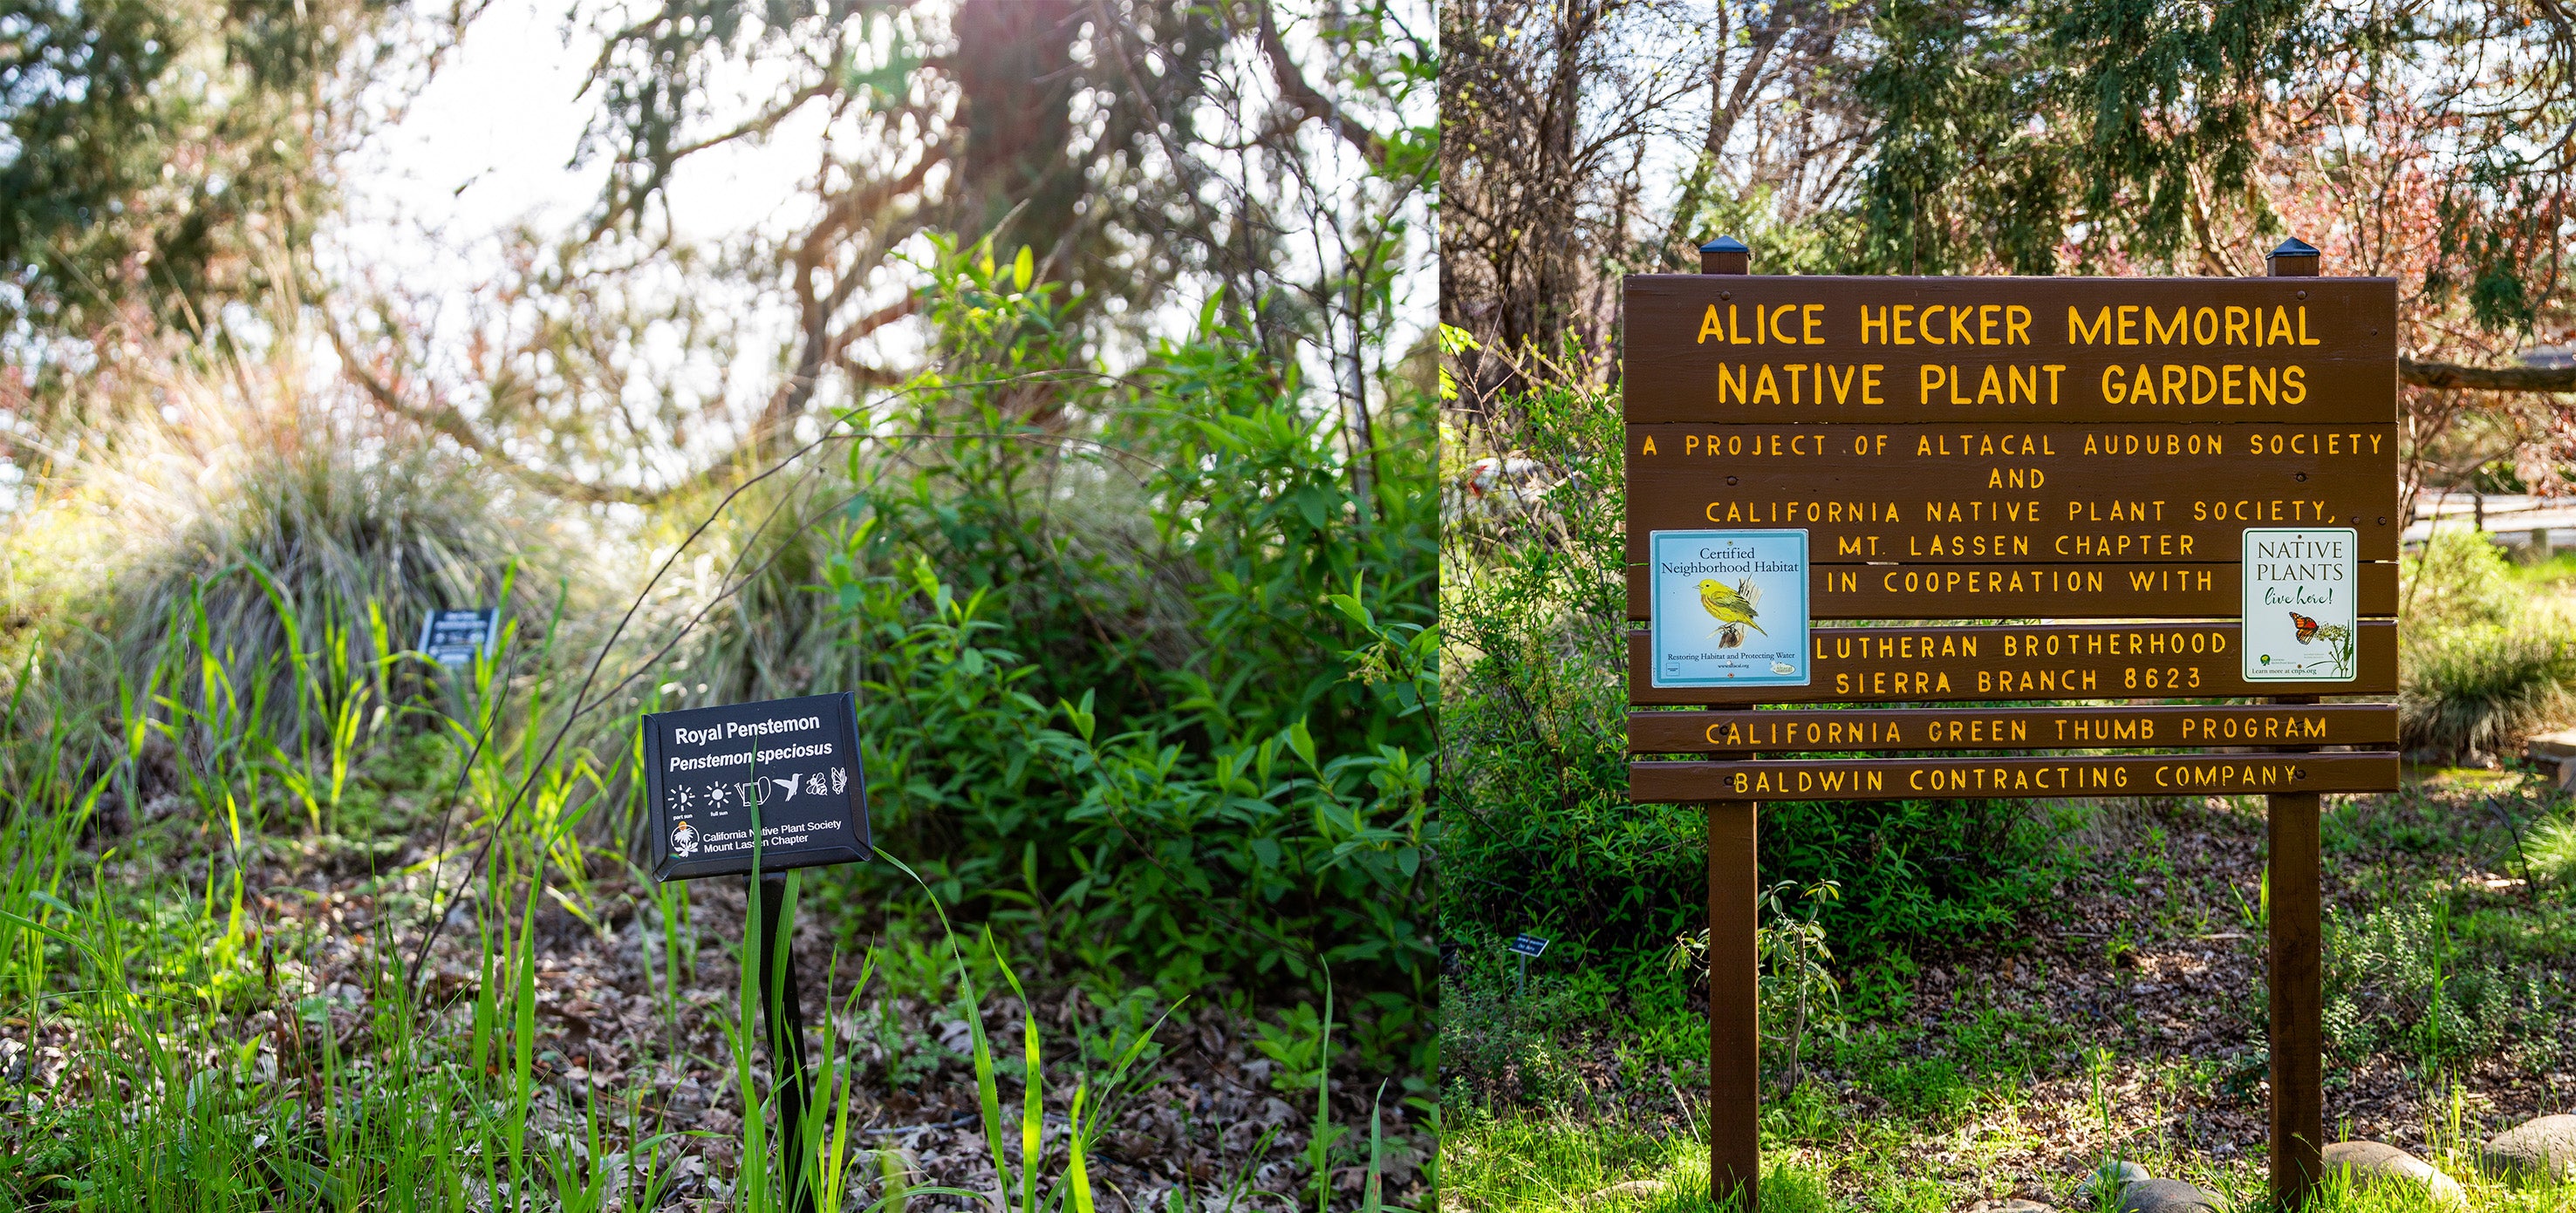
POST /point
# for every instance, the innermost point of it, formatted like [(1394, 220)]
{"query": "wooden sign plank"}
[(2035, 493), (1777, 348), (2035, 591), (2033, 663), (2163, 726), (2012, 778)]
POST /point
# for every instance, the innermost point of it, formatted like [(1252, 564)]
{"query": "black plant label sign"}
[(783, 773), (457, 637)]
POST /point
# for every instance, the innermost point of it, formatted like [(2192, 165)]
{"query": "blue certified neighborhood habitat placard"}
[(790, 765), (1730, 608)]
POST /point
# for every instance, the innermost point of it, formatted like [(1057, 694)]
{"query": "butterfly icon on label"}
[(2306, 627)]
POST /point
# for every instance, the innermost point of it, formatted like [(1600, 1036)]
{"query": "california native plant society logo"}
[(684, 839)]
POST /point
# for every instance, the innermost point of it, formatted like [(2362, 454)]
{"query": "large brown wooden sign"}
[(2054, 661), (1934, 778), (2034, 591), (1984, 449), (2172, 726), (2039, 493), (1728, 348)]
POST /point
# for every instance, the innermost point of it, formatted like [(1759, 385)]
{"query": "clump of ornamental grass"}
[(2481, 690), (249, 506), (2550, 849), (745, 600), (2485, 662)]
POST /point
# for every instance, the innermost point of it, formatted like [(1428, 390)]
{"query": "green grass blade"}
[(1077, 1177), (1322, 1141)]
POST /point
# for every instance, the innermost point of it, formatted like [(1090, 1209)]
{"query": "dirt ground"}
[(2153, 954), (1205, 1123)]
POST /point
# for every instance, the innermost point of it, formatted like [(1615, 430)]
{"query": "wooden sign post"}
[(752, 790), (2211, 463), (2295, 937)]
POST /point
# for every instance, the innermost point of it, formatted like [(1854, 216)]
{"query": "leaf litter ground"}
[(1206, 1128), (2124, 1018)]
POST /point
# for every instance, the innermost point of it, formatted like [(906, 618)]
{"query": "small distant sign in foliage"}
[(1529, 945), (784, 772), (453, 638)]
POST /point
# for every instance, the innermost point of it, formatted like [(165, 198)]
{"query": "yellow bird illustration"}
[(1731, 606)]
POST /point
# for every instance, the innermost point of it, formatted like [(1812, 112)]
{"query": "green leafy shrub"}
[(1145, 663), (1502, 1050), (1795, 990), (2459, 577), (2400, 980), (2482, 664), (1914, 871), (1929, 1087), (1533, 727)]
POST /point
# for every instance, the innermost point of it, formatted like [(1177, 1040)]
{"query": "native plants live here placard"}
[(2301, 603), (791, 764), (1730, 608)]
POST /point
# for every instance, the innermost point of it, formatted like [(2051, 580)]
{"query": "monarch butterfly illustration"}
[(2307, 627)]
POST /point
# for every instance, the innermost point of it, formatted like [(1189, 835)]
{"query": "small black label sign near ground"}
[(456, 637), (794, 763), (1528, 945)]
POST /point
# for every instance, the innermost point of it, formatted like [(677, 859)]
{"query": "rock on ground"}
[(2009, 1204), (2118, 1174), (2374, 1162), (2541, 1148), (2168, 1196)]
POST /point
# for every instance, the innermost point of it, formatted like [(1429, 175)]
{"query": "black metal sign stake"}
[(1525, 946), (755, 789), (782, 1016)]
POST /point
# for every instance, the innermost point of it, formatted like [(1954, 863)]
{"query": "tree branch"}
[(2487, 378), (445, 419), (1294, 89)]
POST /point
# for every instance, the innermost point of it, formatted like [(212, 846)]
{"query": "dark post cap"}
[(2295, 258), (1725, 255)]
